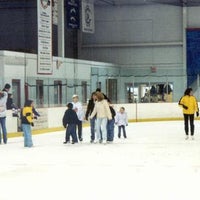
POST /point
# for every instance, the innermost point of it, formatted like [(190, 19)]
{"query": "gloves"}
[(32, 124), (197, 113), (185, 107), (35, 117)]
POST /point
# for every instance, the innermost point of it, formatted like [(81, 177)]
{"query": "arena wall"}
[(51, 118)]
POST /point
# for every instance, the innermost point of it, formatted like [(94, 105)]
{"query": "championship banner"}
[(73, 17), (44, 36), (87, 16)]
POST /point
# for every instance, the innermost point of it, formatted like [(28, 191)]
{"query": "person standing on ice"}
[(27, 121), (78, 108), (111, 124), (90, 108), (103, 114), (121, 120), (190, 107), (3, 101), (70, 120)]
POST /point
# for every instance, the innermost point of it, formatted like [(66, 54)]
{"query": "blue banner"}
[(73, 14), (193, 55)]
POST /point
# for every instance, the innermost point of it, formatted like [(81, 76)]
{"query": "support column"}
[(61, 29), (184, 18)]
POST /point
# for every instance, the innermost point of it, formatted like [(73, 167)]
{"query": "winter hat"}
[(7, 86), (75, 95), (70, 105)]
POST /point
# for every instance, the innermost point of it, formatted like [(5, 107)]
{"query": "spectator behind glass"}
[(10, 104)]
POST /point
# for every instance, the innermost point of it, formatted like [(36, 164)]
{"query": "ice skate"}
[(104, 142)]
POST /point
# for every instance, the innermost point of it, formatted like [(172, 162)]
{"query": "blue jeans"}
[(71, 131), (27, 135), (80, 127), (119, 131), (110, 130), (101, 128), (92, 128), (4, 130)]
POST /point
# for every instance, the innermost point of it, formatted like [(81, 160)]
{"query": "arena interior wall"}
[(51, 118)]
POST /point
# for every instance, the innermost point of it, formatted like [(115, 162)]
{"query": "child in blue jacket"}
[(70, 120)]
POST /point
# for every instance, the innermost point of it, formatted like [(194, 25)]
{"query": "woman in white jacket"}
[(3, 101), (103, 114)]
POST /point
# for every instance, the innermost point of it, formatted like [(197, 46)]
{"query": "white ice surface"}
[(154, 163)]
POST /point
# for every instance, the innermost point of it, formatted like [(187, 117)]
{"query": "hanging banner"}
[(44, 37), (87, 16), (73, 17)]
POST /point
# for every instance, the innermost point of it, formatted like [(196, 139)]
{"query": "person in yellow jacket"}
[(27, 122), (190, 107)]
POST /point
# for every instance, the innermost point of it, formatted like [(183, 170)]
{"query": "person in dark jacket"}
[(90, 108), (70, 120), (111, 124), (10, 104), (99, 90)]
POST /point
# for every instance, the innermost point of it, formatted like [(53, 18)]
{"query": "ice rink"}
[(155, 162)]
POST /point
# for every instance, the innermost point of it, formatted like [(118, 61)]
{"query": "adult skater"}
[(190, 106), (90, 108), (78, 108), (3, 101), (103, 114), (99, 90), (111, 124)]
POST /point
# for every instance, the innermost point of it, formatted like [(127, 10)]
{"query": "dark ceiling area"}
[(182, 3)]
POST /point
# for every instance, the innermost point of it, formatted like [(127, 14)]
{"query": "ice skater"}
[(3, 101), (90, 108), (70, 120), (190, 106), (111, 124), (78, 108), (121, 120), (103, 114), (27, 122)]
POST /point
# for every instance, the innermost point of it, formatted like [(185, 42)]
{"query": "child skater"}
[(27, 122), (121, 120), (70, 120)]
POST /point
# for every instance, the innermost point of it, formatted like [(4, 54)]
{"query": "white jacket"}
[(102, 110), (121, 119), (3, 101), (79, 110)]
